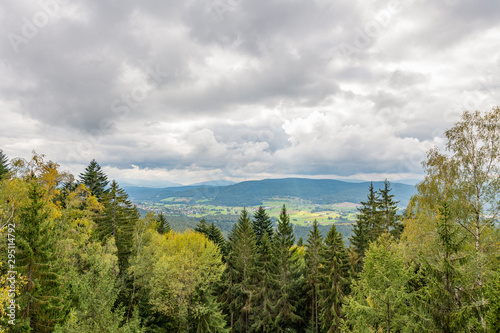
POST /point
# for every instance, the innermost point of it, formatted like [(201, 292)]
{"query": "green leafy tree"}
[(314, 248), (467, 177), (95, 179), (335, 281), (286, 307), (262, 224)]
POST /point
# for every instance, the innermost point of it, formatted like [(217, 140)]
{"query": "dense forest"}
[(78, 257)]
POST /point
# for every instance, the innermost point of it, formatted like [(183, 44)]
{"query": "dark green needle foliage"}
[(286, 308), (42, 302), (4, 165), (262, 224), (95, 179), (335, 281), (163, 225)]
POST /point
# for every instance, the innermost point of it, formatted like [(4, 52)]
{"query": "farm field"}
[(302, 212)]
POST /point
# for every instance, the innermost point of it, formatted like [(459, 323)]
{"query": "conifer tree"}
[(264, 288), (241, 266), (285, 254), (314, 248), (42, 302), (4, 165), (214, 234), (335, 280), (368, 225), (118, 221), (262, 224), (388, 209), (95, 179), (202, 227), (443, 274), (163, 225)]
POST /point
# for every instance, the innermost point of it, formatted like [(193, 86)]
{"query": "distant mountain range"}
[(253, 193)]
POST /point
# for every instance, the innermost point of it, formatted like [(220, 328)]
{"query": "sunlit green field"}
[(301, 212)]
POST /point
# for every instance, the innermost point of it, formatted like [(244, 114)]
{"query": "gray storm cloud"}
[(242, 89)]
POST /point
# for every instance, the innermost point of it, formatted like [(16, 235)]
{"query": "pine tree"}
[(241, 267), (163, 225), (335, 280), (95, 179), (214, 234), (264, 288), (4, 165), (285, 254), (388, 209), (42, 303), (314, 248), (443, 275), (118, 221), (368, 225), (262, 224)]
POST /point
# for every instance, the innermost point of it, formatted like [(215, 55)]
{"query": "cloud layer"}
[(243, 89)]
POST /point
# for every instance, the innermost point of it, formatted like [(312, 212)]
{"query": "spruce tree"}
[(335, 280), (262, 224), (4, 165), (368, 225), (443, 274), (118, 221), (314, 248), (163, 225), (95, 179), (287, 264), (265, 287), (41, 301), (241, 268), (388, 209), (214, 234)]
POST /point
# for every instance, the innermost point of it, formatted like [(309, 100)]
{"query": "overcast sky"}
[(197, 90)]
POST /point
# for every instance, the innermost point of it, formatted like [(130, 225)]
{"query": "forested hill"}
[(251, 193)]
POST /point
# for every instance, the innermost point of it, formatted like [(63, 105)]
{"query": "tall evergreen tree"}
[(287, 262), (265, 287), (368, 225), (214, 234), (314, 248), (241, 268), (95, 179), (118, 221), (42, 302), (4, 165), (335, 280), (163, 225), (443, 292), (262, 224), (388, 209)]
